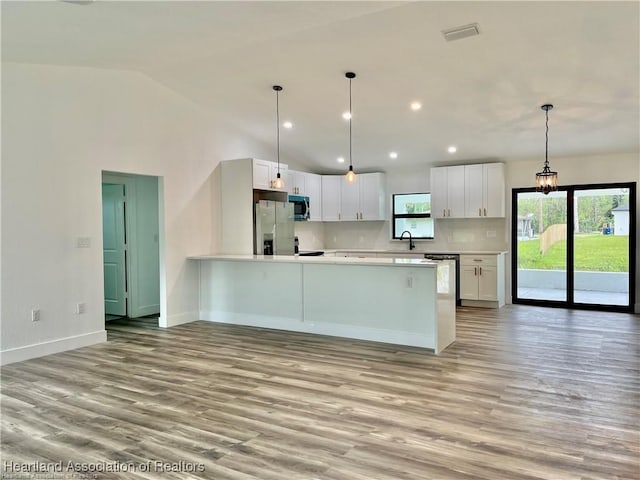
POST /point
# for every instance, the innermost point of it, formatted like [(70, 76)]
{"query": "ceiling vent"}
[(457, 33)]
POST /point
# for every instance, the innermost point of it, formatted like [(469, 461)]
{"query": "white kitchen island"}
[(401, 301)]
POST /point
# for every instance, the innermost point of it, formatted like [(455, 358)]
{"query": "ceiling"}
[(482, 94)]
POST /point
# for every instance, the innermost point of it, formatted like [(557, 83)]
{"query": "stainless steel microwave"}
[(300, 207)]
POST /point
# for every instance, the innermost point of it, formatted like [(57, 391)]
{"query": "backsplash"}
[(450, 235), (310, 235)]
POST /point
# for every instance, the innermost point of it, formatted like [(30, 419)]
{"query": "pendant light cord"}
[(546, 141), (278, 129), (350, 118)]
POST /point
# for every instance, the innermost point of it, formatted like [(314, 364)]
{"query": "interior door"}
[(114, 249)]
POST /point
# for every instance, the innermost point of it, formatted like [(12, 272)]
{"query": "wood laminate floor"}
[(525, 393)]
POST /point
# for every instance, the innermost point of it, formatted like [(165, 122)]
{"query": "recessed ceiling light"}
[(452, 149), (416, 105), (340, 159), (287, 125), (393, 155), (346, 115)]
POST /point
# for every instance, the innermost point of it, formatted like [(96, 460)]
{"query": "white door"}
[(455, 191), (468, 282), (314, 192), (349, 200), (114, 249), (261, 174), (372, 196), (474, 191), (494, 190), (331, 197), (488, 283), (439, 202)]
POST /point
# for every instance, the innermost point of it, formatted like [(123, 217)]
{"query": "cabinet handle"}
[(475, 271), (448, 212), (444, 212), (338, 216), (479, 212), (480, 270), (485, 212)]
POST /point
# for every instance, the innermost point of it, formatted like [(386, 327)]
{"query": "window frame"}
[(396, 235)]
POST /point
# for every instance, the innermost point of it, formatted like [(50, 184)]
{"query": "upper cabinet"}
[(485, 190), (296, 182), (373, 196), (265, 173), (331, 197), (308, 185), (468, 191), (313, 190), (363, 200), (448, 192)]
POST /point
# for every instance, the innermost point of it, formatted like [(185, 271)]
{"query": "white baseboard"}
[(36, 350), (166, 321), (397, 337)]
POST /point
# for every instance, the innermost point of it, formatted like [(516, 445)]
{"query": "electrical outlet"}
[(409, 282), (35, 314), (83, 242), (81, 307), (491, 233)]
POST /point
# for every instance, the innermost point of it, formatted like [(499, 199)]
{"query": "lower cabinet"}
[(482, 280)]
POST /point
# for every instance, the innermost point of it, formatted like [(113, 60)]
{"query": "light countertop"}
[(414, 252), (397, 262)]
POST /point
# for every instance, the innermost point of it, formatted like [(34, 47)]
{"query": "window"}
[(412, 212)]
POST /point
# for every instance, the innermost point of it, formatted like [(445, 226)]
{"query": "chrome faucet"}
[(411, 244)]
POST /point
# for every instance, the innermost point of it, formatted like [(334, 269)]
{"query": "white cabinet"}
[(468, 191), (447, 192), (308, 185), (365, 199), (482, 280), (313, 189), (296, 182), (484, 190), (350, 199), (261, 174), (372, 196), (265, 172), (331, 197)]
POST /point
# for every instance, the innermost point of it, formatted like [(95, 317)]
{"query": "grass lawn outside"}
[(593, 252)]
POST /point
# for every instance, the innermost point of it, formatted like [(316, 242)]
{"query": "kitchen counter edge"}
[(397, 262)]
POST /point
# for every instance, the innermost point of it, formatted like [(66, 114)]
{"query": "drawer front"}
[(479, 260)]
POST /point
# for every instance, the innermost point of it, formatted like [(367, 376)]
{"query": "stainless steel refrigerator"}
[(273, 228)]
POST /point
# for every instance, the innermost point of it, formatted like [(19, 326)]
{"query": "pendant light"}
[(546, 180), (350, 177), (278, 182)]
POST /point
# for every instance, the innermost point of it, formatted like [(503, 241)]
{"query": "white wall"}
[(61, 127)]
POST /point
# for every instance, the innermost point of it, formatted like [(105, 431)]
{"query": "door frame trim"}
[(570, 302)]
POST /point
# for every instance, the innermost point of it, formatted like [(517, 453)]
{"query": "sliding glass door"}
[(541, 246), (575, 247)]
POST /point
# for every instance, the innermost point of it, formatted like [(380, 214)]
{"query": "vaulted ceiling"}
[(482, 94)]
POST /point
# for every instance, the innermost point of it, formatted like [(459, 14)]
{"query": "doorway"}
[(575, 247), (130, 219)]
